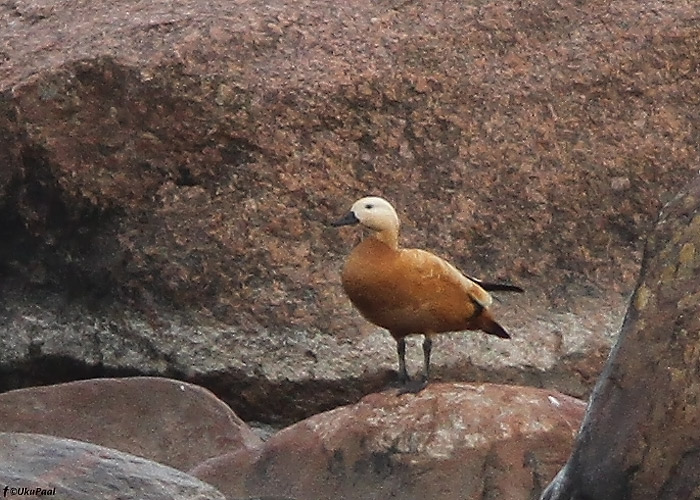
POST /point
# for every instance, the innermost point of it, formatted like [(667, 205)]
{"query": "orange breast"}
[(407, 291)]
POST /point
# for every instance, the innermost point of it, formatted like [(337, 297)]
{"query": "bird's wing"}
[(431, 272)]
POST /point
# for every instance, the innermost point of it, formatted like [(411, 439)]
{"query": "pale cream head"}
[(376, 214)]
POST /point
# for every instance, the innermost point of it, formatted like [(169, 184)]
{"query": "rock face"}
[(154, 418), (451, 441), (84, 471), (642, 429), (168, 171)]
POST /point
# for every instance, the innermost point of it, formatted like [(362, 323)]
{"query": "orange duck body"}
[(414, 292)]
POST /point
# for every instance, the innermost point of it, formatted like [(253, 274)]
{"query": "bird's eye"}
[(369, 206)]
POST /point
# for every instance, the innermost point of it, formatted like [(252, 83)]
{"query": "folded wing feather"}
[(430, 267)]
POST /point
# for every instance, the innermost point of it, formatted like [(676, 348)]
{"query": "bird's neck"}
[(389, 237)]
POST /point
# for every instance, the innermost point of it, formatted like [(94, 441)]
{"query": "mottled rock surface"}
[(154, 418), (84, 471), (641, 434), (451, 441), (168, 171)]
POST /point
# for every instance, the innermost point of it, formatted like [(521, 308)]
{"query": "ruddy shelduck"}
[(411, 291)]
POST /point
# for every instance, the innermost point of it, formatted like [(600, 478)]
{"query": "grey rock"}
[(82, 471), (284, 378)]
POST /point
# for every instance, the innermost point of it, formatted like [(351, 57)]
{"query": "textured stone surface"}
[(641, 433), (451, 441), (84, 471), (282, 378), (154, 418), (161, 158)]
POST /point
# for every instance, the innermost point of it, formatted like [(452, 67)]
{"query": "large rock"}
[(641, 433), (84, 471), (283, 378), (154, 418), (451, 441), (168, 171)]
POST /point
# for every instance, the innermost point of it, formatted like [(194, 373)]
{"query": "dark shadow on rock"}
[(51, 239)]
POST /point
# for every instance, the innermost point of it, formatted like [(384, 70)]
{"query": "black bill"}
[(348, 219)]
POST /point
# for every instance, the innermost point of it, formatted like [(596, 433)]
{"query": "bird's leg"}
[(401, 351), (415, 386), (427, 348)]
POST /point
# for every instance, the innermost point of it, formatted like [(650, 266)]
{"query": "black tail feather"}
[(496, 287), (488, 325), (500, 287)]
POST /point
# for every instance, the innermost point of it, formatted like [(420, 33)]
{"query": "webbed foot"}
[(413, 386)]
